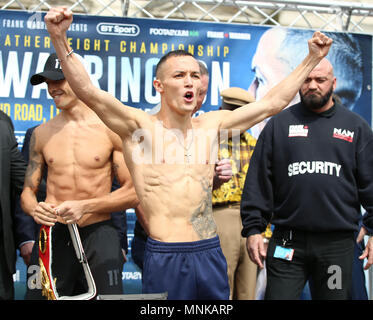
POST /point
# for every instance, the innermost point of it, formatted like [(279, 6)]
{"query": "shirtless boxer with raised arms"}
[(81, 155), (176, 197)]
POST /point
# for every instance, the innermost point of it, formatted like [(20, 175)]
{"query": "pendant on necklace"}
[(188, 156)]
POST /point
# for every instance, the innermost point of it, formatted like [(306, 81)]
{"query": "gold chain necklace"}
[(187, 153)]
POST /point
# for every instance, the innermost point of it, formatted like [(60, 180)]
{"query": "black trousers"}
[(6, 277), (102, 248), (326, 258)]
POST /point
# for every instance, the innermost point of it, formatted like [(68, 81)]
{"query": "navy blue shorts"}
[(186, 270)]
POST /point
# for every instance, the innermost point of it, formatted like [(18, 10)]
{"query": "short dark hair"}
[(174, 53)]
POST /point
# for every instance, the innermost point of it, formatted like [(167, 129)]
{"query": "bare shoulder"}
[(140, 113), (39, 138), (211, 119), (134, 118), (45, 130), (113, 137)]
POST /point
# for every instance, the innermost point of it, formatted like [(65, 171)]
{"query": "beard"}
[(315, 101)]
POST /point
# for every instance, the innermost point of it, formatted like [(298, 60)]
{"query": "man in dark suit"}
[(12, 172)]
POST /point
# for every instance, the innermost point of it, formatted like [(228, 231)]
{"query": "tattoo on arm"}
[(34, 164), (202, 218), (115, 169)]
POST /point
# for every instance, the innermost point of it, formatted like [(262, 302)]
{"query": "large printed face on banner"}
[(280, 50), (121, 54)]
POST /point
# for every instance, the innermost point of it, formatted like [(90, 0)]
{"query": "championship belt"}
[(48, 282)]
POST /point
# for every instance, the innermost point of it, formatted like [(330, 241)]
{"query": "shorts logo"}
[(298, 130), (343, 134)]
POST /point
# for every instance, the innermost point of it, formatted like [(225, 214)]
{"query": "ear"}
[(334, 83), (158, 86)]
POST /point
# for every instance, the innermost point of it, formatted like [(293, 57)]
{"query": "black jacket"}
[(310, 172), (12, 172)]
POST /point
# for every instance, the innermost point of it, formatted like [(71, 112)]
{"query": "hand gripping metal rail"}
[(48, 283)]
